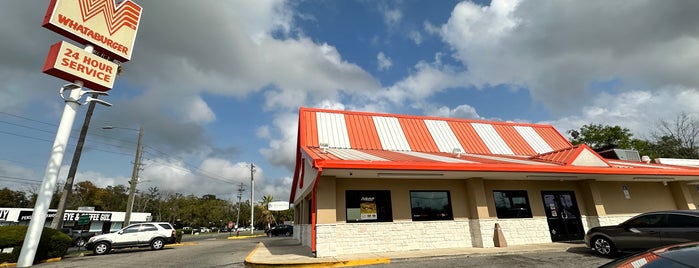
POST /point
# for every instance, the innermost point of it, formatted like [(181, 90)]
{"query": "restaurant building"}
[(369, 182)]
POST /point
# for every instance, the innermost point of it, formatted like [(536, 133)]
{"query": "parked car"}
[(282, 229), (79, 237), (678, 255), (151, 234), (645, 231)]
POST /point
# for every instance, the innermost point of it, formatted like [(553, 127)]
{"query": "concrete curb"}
[(246, 236), (321, 263), (182, 244)]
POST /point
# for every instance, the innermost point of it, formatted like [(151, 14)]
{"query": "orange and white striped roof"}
[(367, 131), (348, 139)]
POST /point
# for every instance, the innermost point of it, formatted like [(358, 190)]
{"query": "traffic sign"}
[(83, 219)]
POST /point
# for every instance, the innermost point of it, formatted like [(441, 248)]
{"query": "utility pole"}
[(68, 187), (252, 198), (241, 189), (134, 179)]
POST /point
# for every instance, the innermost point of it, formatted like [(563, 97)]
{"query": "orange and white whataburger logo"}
[(110, 27), (72, 63)]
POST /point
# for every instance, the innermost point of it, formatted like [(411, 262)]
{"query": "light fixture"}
[(553, 176), (324, 146), (403, 175), (457, 151), (653, 178)]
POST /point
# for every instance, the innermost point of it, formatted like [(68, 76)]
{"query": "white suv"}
[(150, 234)]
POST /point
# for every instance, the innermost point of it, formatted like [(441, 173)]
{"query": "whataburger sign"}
[(109, 26)]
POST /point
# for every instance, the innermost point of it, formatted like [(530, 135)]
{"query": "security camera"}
[(89, 99)]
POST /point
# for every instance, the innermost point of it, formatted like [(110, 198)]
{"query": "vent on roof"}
[(621, 154)]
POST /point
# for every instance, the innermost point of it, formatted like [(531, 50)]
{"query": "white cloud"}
[(384, 62), (416, 37)]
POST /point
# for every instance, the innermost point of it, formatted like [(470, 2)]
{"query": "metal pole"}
[(252, 198), (240, 195), (68, 188), (43, 200), (134, 180)]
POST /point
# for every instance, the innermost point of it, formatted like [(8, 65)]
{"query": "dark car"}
[(679, 255), (645, 231), (282, 229)]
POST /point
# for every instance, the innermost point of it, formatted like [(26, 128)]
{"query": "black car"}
[(645, 231), (680, 256), (282, 229)]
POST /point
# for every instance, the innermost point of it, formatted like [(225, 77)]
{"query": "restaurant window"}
[(512, 204), (368, 206), (430, 205)]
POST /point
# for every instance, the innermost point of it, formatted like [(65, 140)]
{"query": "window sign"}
[(368, 206)]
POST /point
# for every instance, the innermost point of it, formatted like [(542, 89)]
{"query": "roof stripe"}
[(417, 135), (514, 140), (468, 138), (332, 130), (437, 157), (510, 160), (443, 135), (362, 132), (349, 154), (553, 138), (533, 139), (391, 134), (492, 139)]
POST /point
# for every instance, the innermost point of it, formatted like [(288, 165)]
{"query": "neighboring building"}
[(367, 182), (99, 221)]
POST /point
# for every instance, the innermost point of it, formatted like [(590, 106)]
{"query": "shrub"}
[(52, 244)]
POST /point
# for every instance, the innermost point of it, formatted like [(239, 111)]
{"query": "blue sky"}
[(217, 85)]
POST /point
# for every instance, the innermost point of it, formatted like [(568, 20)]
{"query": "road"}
[(214, 250), (209, 250)]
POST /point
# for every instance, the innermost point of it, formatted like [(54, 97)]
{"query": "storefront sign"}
[(108, 26), (278, 206), (3, 214), (68, 216), (72, 63)]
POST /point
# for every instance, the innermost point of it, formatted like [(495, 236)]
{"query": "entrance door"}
[(562, 215)]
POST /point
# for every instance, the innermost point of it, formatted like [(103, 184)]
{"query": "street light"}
[(134, 173)]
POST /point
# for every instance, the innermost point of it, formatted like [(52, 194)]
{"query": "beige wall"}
[(400, 195), (645, 196), (694, 192), (533, 189)]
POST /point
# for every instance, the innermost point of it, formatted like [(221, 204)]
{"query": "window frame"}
[(513, 194), (432, 216)]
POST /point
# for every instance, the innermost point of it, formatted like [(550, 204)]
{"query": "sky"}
[(217, 85)]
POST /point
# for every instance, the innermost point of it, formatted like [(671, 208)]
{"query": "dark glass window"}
[(368, 206), (682, 221), (653, 220), (131, 229), (430, 205), (512, 204), (148, 228)]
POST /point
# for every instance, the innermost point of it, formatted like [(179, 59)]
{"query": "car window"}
[(131, 229), (165, 226), (654, 220), (148, 228), (681, 221)]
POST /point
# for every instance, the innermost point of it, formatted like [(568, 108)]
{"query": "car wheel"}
[(102, 248), (603, 246), (157, 243), (287, 233), (80, 242)]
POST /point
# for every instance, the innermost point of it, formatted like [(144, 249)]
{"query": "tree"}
[(678, 138), (266, 216), (14, 199), (601, 137)]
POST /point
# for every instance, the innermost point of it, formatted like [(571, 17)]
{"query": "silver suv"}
[(150, 234)]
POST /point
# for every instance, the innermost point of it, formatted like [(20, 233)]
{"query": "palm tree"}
[(267, 217)]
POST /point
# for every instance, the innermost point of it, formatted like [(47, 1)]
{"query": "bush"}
[(52, 244)]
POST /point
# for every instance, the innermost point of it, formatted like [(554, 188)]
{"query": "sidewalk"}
[(290, 253)]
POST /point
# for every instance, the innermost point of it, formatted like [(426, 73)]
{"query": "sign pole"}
[(43, 200)]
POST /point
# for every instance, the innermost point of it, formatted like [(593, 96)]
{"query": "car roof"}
[(686, 212)]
